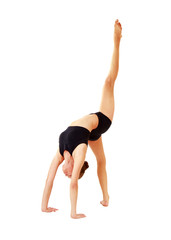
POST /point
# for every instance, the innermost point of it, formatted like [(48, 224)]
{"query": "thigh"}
[(107, 101), (98, 150)]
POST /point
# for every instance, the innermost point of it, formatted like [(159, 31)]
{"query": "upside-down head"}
[(69, 165)]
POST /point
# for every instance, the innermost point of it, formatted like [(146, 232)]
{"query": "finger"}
[(51, 209), (55, 209), (81, 216)]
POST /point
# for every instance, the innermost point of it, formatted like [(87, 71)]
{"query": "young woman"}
[(86, 131)]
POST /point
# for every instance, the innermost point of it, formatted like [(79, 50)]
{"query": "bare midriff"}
[(89, 122)]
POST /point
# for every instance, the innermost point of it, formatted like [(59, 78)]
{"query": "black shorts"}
[(103, 126), (75, 135)]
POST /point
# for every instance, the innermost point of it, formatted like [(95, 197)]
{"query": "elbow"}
[(74, 184), (112, 75)]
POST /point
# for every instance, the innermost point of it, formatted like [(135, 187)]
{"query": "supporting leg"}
[(97, 148)]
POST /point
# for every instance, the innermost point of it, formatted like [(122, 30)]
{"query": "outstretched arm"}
[(79, 157), (57, 160)]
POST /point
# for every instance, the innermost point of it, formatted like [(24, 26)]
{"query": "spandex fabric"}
[(75, 135), (103, 126), (72, 137)]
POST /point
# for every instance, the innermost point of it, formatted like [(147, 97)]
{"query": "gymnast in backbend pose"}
[(74, 140)]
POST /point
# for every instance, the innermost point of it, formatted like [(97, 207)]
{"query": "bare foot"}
[(105, 202), (117, 32), (77, 216)]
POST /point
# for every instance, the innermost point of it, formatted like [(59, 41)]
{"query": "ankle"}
[(106, 197)]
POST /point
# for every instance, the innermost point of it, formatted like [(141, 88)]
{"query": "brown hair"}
[(84, 167)]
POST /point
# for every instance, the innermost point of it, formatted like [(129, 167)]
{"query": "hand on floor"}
[(49, 209)]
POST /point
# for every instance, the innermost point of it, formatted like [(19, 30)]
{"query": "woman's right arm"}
[(57, 160)]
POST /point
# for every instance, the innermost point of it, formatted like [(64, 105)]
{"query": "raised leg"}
[(107, 100)]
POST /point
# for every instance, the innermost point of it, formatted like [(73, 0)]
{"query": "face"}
[(68, 166)]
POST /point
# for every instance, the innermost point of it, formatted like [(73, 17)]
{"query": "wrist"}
[(43, 208), (73, 214), (116, 44)]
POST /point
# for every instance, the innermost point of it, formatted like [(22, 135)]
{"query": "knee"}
[(109, 83), (101, 161)]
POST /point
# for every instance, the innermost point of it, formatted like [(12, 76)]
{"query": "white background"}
[(54, 57)]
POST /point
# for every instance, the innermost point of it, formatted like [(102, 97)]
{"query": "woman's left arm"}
[(79, 158), (57, 160)]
